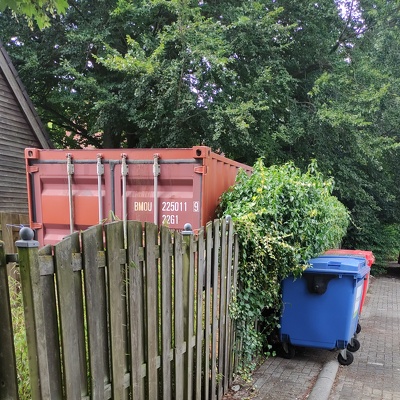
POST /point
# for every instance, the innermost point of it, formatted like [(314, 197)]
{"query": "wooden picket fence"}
[(123, 311), (10, 224)]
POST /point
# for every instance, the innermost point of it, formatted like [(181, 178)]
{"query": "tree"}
[(282, 80), (70, 89), (37, 10), (351, 127), (171, 73)]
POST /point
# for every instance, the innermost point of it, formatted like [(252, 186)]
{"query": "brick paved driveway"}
[(375, 372)]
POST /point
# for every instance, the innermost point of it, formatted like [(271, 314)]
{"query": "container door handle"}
[(70, 172), (100, 172), (124, 173), (156, 173)]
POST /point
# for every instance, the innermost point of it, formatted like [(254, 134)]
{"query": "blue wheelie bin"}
[(321, 308)]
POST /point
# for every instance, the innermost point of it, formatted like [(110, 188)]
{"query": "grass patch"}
[(20, 343)]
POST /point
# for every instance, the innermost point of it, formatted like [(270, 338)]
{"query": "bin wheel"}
[(358, 330), (288, 351), (354, 345), (346, 361)]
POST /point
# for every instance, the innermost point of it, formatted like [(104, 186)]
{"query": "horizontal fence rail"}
[(123, 311)]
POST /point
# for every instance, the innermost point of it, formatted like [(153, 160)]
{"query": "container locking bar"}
[(124, 173), (70, 172), (156, 173), (100, 173)]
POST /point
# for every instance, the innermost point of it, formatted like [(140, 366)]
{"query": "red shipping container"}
[(70, 190)]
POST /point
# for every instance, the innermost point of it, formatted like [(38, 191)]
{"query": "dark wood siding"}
[(15, 135)]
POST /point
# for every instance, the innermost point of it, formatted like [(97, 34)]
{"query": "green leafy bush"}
[(283, 218)]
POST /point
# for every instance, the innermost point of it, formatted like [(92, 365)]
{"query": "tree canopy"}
[(38, 11), (177, 72), (282, 80)]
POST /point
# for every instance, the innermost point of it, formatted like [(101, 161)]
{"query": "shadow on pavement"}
[(393, 270)]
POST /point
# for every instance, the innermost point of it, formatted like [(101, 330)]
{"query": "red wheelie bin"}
[(370, 259)]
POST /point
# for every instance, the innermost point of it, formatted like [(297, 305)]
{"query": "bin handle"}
[(318, 283)]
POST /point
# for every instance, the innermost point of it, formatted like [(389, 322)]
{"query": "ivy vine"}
[(283, 218)]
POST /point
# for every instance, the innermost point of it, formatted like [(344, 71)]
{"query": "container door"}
[(164, 192), (66, 197)]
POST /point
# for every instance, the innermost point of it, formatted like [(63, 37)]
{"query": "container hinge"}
[(70, 165), (100, 166), (33, 169), (201, 170), (124, 165), (156, 165), (36, 225), (32, 153)]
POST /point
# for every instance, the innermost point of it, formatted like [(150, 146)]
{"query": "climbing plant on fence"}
[(283, 217)]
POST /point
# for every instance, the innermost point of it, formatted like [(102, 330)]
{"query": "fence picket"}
[(199, 314), (96, 309), (233, 342), (116, 259), (79, 306), (136, 303), (229, 270), (215, 295), (50, 355), (69, 317), (189, 315), (222, 308), (207, 311), (152, 308), (166, 313), (179, 338)]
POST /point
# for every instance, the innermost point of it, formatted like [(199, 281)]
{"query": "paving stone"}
[(375, 372)]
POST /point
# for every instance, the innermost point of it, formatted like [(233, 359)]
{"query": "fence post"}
[(8, 370), (28, 256), (188, 283)]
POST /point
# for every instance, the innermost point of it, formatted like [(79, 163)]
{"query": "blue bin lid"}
[(333, 264)]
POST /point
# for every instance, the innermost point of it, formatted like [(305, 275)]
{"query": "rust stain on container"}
[(70, 190)]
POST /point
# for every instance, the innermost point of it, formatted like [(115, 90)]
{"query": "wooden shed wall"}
[(15, 136)]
